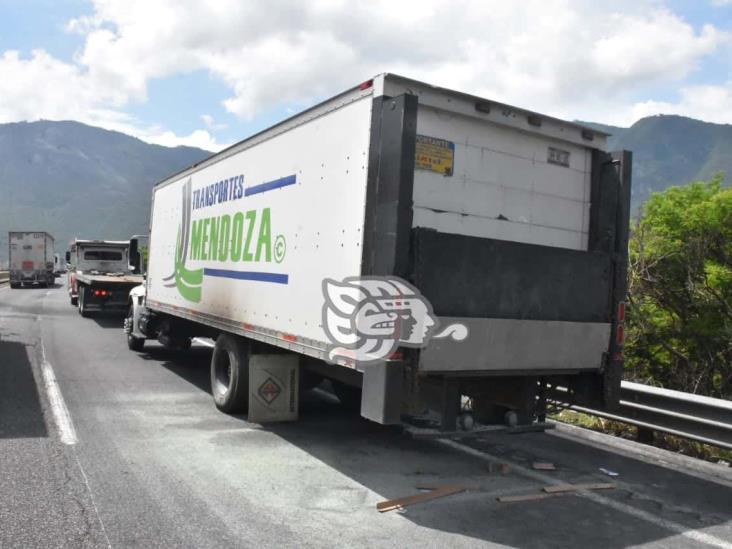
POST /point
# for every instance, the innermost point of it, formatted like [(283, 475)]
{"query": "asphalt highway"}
[(104, 447)]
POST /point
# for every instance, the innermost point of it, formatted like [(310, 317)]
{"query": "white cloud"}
[(211, 124), (571, 59), (41, 86), (710, 103), (199, 138)]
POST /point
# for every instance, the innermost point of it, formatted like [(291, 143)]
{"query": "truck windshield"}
[(103, 255)]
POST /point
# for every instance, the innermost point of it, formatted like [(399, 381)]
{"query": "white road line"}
[(204, 342), (681, 530), (67, 432)]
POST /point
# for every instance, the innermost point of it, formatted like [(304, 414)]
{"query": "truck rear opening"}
[(510, 223)]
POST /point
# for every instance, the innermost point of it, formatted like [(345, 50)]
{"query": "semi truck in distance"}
[(31, 258), (99, 277), (59, 267), (428, 251)]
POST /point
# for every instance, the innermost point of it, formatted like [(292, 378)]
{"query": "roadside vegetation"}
[(679, 320), (679, 323)]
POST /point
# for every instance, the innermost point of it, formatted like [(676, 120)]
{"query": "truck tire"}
[(230, 374), (14, 285), (349, 396), (83, 311), (133, 343)]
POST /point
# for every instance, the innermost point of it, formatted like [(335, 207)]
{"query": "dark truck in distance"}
[(99, 277)]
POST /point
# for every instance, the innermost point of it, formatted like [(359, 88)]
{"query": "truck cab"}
[(94, 257)]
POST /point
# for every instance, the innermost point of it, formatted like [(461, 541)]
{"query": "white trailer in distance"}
[(30, 257)]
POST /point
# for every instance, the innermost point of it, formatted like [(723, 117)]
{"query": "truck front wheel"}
[(133, 343), (230, 374), (83, 311)]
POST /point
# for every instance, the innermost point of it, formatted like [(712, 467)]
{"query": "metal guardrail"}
[(4, 277), (695, 417)]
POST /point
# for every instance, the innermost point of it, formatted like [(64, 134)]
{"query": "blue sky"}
[(210, 73)]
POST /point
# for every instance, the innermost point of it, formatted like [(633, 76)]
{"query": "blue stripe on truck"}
[(269, 185), (276, 278)]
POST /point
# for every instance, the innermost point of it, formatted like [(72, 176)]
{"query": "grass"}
[(660, 440)]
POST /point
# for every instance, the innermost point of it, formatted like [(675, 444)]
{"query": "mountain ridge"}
[(671, 150), (76, 180)]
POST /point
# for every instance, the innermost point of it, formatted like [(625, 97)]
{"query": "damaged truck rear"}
[(345, 236)]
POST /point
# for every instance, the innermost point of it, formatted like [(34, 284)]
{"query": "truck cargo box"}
[(31, 258)]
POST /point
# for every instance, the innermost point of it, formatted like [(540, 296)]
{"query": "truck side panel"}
[(247, 241)]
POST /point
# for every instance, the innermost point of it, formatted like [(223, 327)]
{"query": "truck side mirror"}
[(68, 257), (134, 257)]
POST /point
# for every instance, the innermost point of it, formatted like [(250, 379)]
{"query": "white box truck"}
[(30, 258), (350, 232)]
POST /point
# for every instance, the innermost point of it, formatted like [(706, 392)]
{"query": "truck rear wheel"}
[(14, 285), (230, 374)]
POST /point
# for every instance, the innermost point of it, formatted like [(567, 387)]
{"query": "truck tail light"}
[(619, 327), (366, 85), (101, 293), (619, 335)]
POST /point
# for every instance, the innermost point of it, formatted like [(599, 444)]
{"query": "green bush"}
[(679, 325)]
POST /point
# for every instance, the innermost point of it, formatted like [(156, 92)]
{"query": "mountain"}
[(672, 150), (74, 180)]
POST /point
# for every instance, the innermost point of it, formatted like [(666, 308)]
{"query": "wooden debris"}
[(428, 486), (525, 497), (556, 488), (543, 466), (399, 503)]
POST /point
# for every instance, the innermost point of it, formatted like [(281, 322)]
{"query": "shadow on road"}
[(387, 462), (106, 319), (191, 365), (21, 415)]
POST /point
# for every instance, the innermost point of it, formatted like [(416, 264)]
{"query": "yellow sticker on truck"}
[(434, 154)]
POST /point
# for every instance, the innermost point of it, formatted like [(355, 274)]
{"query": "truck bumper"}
[(21, 277), (514, 346), (93, 304)]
